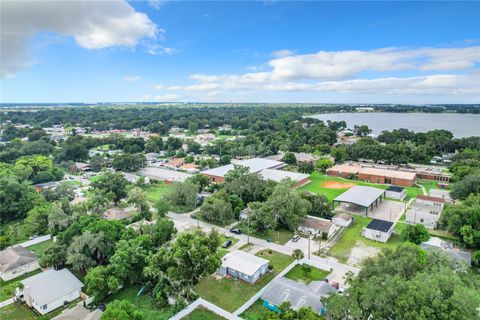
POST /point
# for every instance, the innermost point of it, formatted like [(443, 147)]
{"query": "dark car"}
[(227, 244), (236, 231), (295, 238)]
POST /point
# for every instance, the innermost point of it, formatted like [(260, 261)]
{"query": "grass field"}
[(7, 287), (318, 179), (154, 192), (280, 236), (230, 294), (19, 311), (353, 237), (298, 274), (203, 314), (144, 303)]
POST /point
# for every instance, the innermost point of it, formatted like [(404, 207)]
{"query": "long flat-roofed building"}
[(254, 165), (374, 175), (360, 197)]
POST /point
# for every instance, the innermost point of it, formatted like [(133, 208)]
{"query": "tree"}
[(113, 182), (297, 254), (36, 221), (216, 209), (154, 144), (363, 130), (306, 268), (446, 292), (161, 232), (173, 144), (84, 250), (128, 161), (16, 198), (63, 190), (201, 181), (58, 220), (193, 147), (320, 207), (54, 256), (122, 310), (287, 313), (248, 186), (262, 217), (289, 158), (137, 197), (323, 164), (183, 194), (288, 206), (97, 163), (224, 160), (177, 267), (162, 207), (305, 167), (468, 185), (100, 282), (130, 257), (415, 233)]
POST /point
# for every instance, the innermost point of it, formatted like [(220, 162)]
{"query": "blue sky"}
[(352, 52)]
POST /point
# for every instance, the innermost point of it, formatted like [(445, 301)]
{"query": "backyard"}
[(41, 247), (229, 293), (201, 313), (353, 246), (144, 303)]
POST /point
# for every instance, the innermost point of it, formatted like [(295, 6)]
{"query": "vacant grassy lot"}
[(41, 247), (203, 314), (155, 191), (229, 293), (299, 275), (353, 237), (144, 303), (258, 312), (280, 236)]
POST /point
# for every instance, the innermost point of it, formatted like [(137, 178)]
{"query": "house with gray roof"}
[(243, 265), (16, 261), (49, 290), (298, 294)]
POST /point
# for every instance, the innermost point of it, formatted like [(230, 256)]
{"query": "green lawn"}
[(20, 311), (280, 236), (315, 274), (144, 303), (94, 178), (353, 236), (428, 184), (258, 312), (7, 287), (317, 179), (155, 191), (230, 294), (203, 314), (40, 248), (72, 183)]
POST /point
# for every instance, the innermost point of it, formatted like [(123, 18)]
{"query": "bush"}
[(324, 235), (270, 266), (269, 251)]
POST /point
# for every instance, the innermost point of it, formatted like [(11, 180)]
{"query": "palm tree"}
[(297, 254)]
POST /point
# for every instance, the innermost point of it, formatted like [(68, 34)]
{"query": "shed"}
[(395, 192), (378, 230)]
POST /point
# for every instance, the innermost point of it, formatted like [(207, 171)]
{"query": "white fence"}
[(34, 241)]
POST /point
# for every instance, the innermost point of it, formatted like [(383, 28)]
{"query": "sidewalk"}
[(6, 302)]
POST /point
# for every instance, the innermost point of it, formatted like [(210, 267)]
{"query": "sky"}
[(417, 52)]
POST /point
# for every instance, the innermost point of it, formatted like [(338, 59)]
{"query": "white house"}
[(133, 178), (16, 261), (378, 230), (342, 219), (316, 226), (49, 290), (243, 265), (425, 210), (395, 192)]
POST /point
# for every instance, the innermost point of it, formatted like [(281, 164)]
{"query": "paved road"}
[(324, 263)]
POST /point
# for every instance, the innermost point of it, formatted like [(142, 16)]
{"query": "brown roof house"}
[(316, 226), (16, 261)]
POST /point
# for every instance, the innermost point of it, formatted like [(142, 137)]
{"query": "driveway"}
[(388, 210)]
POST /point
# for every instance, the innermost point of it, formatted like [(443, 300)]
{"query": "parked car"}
[(341, 291), (227, 244), (34, 237), (236, 231), (295, 238)]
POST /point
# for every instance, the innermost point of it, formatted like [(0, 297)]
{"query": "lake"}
[(461, 125)]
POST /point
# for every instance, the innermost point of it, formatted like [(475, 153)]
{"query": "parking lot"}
[(387, 210)]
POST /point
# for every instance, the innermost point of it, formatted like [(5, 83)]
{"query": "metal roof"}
[(243, 262), (380, 225), (254, 165), (279, 175), (362, 196), (51, 285), (395, 188)]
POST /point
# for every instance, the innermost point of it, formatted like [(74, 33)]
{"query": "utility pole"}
[(248, 226), (309, 246)]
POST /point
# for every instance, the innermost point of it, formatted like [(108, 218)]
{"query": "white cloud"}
[(171, 88), (131, 78), (92, 24), (283, 53), (156, 4), (156, 49), (168, 97)]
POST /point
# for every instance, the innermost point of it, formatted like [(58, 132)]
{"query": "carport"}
[(364, 197)]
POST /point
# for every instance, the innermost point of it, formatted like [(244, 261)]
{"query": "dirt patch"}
[(337, 185), (361, 252)]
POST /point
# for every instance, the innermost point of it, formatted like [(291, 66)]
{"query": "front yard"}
[(229, 293), (298, 274), (201, 313), (280, 235), (352, 239)]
